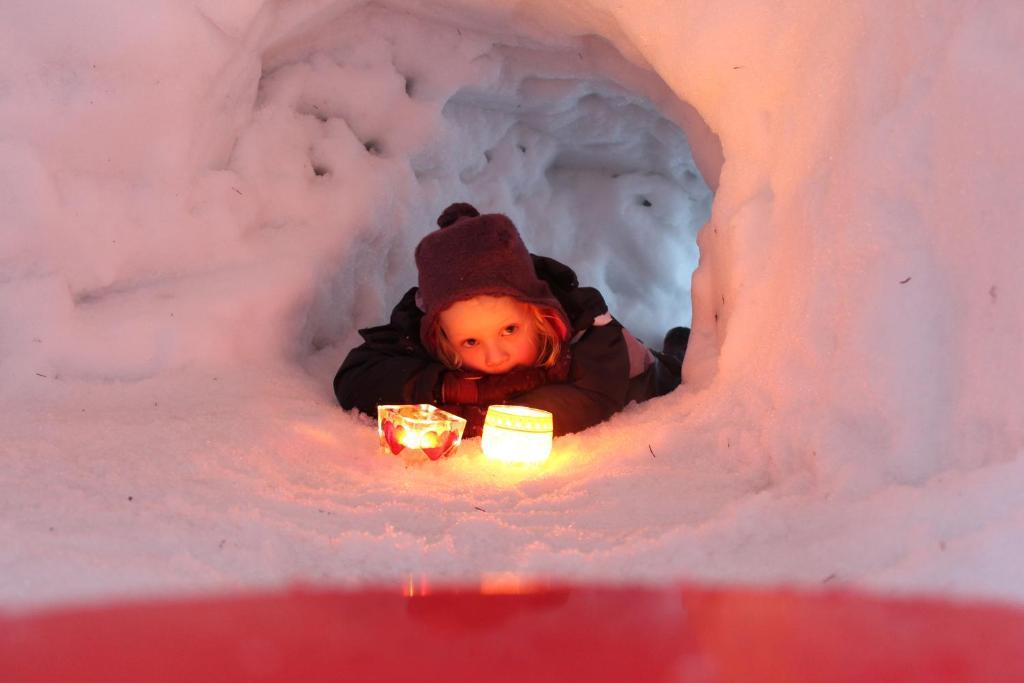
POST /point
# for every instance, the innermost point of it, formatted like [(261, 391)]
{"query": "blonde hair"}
[(549, 341)]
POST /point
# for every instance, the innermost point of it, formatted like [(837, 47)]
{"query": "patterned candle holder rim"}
[(432, 413), (519, 418)]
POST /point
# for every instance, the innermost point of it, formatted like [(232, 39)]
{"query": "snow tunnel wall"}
[(858, 305)]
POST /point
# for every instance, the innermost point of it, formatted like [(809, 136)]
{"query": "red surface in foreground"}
[(594, 634)]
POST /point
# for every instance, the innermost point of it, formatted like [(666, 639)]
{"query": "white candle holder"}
[(517, 434)]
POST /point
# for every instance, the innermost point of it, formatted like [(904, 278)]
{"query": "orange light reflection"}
[(507, 583), (416, 586), (491, 583)]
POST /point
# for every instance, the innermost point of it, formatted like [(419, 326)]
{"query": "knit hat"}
[(472, 255)]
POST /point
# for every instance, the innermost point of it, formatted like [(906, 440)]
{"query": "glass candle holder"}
[(419, 428), (517, 434)]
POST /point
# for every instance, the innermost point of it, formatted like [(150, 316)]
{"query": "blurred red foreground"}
[(556, 634)]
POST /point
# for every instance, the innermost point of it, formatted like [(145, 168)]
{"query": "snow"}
[(204, 201)]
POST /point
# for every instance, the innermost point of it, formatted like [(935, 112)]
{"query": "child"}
[(491, 323)]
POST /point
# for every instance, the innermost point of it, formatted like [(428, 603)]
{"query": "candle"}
[(420, 428), (517, 434)]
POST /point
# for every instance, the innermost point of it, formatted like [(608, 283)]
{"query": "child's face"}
[(491, 334)]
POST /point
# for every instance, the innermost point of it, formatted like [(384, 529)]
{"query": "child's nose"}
[(495, 355)]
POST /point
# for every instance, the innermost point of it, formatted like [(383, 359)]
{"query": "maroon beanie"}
[(473, 255)]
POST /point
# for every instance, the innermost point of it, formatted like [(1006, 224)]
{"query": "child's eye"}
[(510, 329), (469, 343)]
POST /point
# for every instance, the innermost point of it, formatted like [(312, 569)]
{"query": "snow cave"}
[(204, 201)]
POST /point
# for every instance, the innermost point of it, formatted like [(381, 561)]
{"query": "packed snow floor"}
[(195, 482)]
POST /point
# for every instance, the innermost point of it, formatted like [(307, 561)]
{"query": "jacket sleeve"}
[(390, 366), (598, 383)]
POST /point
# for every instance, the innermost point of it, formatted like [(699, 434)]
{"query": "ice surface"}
[(203, 202)]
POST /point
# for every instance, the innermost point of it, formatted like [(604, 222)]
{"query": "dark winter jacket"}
[(609, 367)]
